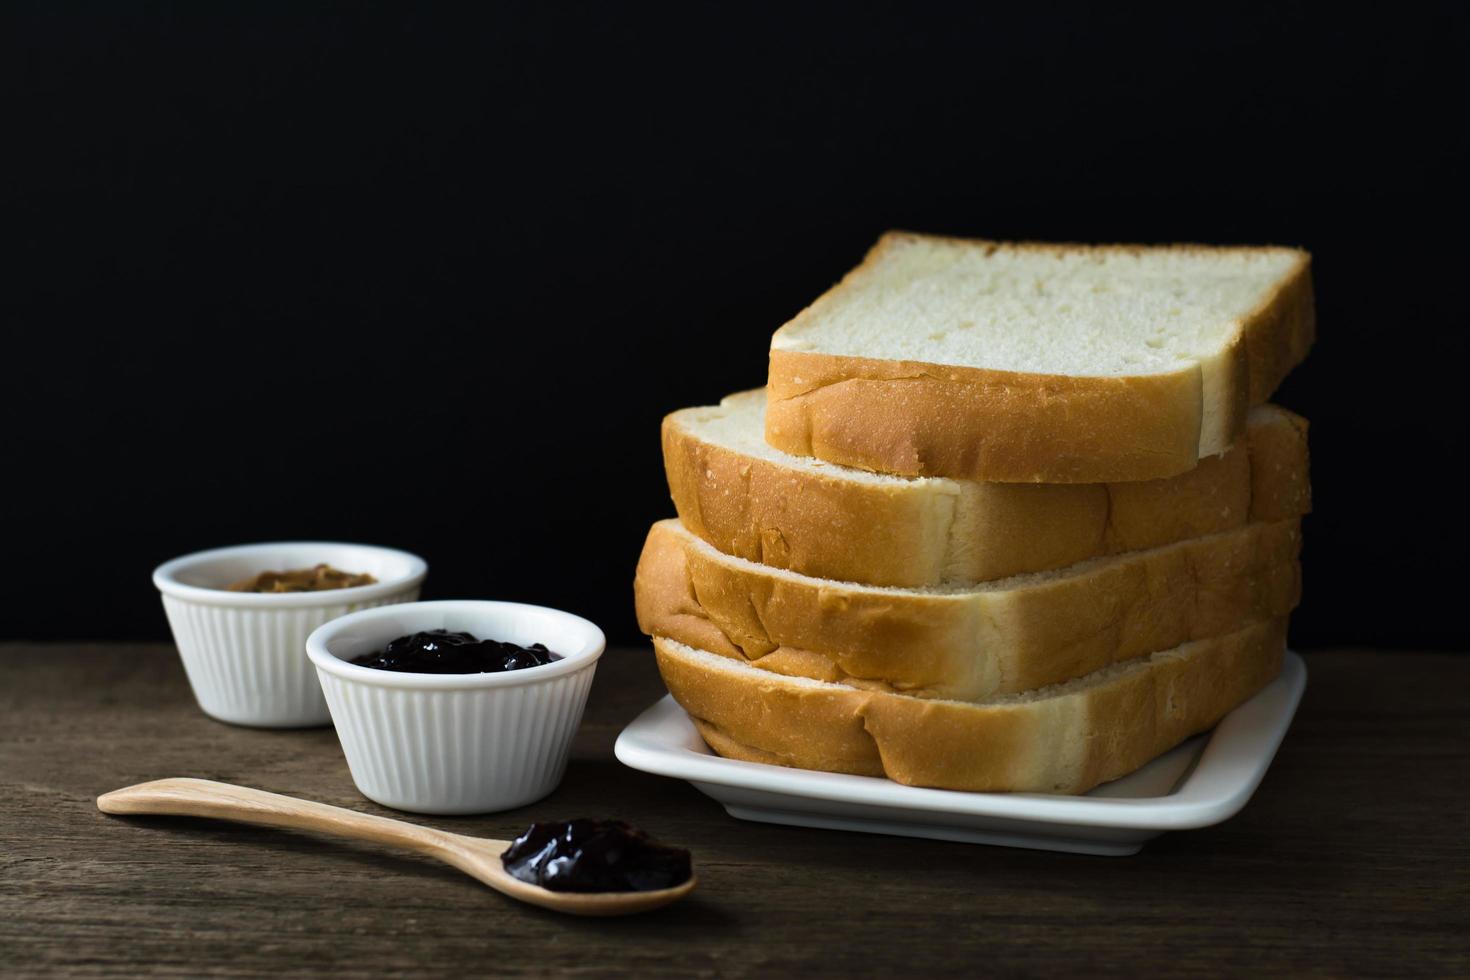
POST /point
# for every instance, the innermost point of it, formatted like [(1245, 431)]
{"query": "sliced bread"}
[(1063, 739), (999, 638), (752, 501), (1037, 363)]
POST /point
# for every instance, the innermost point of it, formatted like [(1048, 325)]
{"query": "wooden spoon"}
[(475, 856)]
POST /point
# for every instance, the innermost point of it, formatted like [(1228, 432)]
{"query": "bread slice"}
[(752, 501), (1037, 363), (1063, 739), (1000, 638)]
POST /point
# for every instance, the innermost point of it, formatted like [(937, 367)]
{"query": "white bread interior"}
[(1038, 363), (1061, 310)]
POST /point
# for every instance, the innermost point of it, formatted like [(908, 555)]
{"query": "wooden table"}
[(1351, 859)]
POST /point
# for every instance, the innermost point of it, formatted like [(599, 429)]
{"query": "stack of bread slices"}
[(1004, 517)]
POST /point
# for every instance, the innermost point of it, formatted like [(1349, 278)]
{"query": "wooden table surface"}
[(1351, 859)]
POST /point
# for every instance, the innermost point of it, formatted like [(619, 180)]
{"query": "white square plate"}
[(1202, 782)]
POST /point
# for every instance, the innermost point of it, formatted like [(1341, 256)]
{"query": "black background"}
[(415, 277)]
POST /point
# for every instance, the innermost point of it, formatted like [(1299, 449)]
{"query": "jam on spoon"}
[(595, 856), (446, 652)]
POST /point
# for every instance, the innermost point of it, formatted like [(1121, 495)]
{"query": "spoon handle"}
[(224, 801)]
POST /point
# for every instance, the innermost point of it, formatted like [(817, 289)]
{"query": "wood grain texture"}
[(1351, 860)]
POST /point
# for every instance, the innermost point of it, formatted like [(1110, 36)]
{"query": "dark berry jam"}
[(595, 856), (443, 652)]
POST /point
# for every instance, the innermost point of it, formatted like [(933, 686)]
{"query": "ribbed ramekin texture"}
[(248, 665), (470, 750)]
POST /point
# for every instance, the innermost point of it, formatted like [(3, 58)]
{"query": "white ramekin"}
[(245, 652), (457, 743)]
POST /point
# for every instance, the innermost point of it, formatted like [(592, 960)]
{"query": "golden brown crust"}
[(1279, 335), (860, 757), (917, 533), (1064, 741), (820, 524), (1280, 482), (915, 418), (971, 644)]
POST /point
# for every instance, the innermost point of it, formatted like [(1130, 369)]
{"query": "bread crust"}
[(916, 418), (912, 418), (1022, 634), (1064, 741), (922, 533)]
